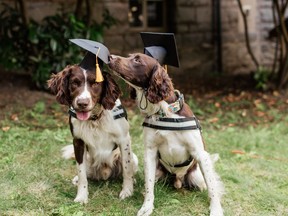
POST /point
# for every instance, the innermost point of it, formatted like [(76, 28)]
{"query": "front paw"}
[(216, 210), (81, 199), (126, 192), (145, 210)]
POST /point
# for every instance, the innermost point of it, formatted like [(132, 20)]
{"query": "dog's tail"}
[(68, 152)]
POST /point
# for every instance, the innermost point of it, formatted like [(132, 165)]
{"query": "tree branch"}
[(281, 20), (246, 35), (78, 8), (24, 13)]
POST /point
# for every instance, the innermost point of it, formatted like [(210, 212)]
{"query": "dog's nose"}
[(83, 103)]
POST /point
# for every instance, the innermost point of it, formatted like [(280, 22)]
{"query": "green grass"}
[(34, 180)]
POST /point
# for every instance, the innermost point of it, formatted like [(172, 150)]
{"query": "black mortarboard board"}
[(161, 46), (95, 49), (92, 47)]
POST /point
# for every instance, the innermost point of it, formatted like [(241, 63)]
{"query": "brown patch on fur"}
[(110, 93), (79, 150), (58, 85), (160, 85)]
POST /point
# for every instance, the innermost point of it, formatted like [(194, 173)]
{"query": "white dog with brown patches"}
[(172, 134), (101, 139)]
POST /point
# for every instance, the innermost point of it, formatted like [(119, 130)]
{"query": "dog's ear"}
[(160, 86), (111, 92), (58, 85)]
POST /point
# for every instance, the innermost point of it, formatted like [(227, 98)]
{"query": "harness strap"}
[(185, 163), (179, 169), (119, 112), (72, 112), (189, 123)]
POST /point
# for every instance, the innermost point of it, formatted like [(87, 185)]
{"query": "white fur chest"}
[(171, 150), (96, 134)]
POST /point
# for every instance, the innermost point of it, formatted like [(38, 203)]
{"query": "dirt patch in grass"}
[(222, 93)]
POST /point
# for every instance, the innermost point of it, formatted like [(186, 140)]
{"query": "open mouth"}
[(83, 116)]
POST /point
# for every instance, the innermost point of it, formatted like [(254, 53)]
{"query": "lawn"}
[(250, 133)]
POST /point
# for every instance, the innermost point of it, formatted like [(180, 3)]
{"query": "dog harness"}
[(164, 123), (161, 122), (118, 111), (180, 169)]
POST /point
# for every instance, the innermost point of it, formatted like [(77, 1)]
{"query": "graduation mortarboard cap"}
[(96, 51), (161, 46)]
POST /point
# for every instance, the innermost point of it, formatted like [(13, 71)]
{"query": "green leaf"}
[(53, 44)]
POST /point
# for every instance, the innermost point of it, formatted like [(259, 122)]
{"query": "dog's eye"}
[(93, 83), (76, 83), (137, 59)]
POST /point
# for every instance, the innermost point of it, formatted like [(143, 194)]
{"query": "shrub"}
[(42, 48)]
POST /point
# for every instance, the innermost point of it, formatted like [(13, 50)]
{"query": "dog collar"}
[(175, 106), (164, 123), (178, 104)]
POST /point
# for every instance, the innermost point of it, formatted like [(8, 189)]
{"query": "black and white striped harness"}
[(161, 122)]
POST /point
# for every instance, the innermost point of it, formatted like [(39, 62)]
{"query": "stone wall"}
[(194, 34), (121, 39), (193, 20)]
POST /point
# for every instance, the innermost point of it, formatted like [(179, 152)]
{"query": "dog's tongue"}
[(82, 115)]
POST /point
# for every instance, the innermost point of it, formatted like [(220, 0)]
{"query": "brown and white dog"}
[(101, 138), (178, 148)]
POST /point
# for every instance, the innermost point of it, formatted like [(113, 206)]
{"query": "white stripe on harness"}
[(189, 123)]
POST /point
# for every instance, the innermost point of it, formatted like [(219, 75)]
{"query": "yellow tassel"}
[(99, 76), (166, 68)]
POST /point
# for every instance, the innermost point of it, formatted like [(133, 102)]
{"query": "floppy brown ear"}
[(58, 85), (160, 86), (111, 92)]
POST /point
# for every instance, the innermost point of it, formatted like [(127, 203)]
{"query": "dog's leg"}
[(128, 163), (214, 185), (82, 186), (150, 162)]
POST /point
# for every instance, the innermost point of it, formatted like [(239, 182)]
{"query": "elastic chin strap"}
[(144, 90), (141, 99)]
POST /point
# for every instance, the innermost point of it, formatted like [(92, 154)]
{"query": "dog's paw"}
[(145, 210), (216, 213), (126, 192), (81, 198), (82, 195), (216, 209)]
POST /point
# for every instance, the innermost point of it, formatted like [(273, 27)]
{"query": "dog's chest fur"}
[(170, 147), (100, 135)]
